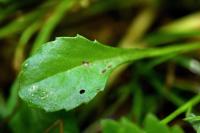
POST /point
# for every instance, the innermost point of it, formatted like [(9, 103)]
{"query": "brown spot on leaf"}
[(109, 66), (103, 71), (86, 63)]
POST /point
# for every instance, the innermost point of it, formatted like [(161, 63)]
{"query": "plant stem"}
[(136, 54), (195, 100), (138, 28)]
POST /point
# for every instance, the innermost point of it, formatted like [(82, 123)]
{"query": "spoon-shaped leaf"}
[(71, 70)]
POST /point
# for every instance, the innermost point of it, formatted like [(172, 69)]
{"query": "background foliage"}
[(149, 95)]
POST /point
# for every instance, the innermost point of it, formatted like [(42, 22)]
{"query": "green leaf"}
[(128, 126), (67, 72), (124, 126), (138, 101), (110, 126), (152, 125), (194, 121), (71, 70), (176, 129)]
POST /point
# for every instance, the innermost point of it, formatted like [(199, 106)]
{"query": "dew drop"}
[(26, 65), (95, 41), (33, 89)]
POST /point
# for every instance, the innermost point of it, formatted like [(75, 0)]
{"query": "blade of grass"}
[(137, 29), (13, 99), (25, 37), (159, 87), (192, 102), (52, 22), (23, 21), (189, 63), (137, 107), (187, 23), (123, 95), (2, 106), (6, 12), (182, 28)]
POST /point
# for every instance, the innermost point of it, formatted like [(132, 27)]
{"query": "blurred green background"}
[(158, 86)]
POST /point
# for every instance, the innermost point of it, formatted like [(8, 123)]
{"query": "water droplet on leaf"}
[(26, 65), (34, 88)]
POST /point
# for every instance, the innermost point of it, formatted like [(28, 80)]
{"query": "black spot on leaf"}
[(82, 91)]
